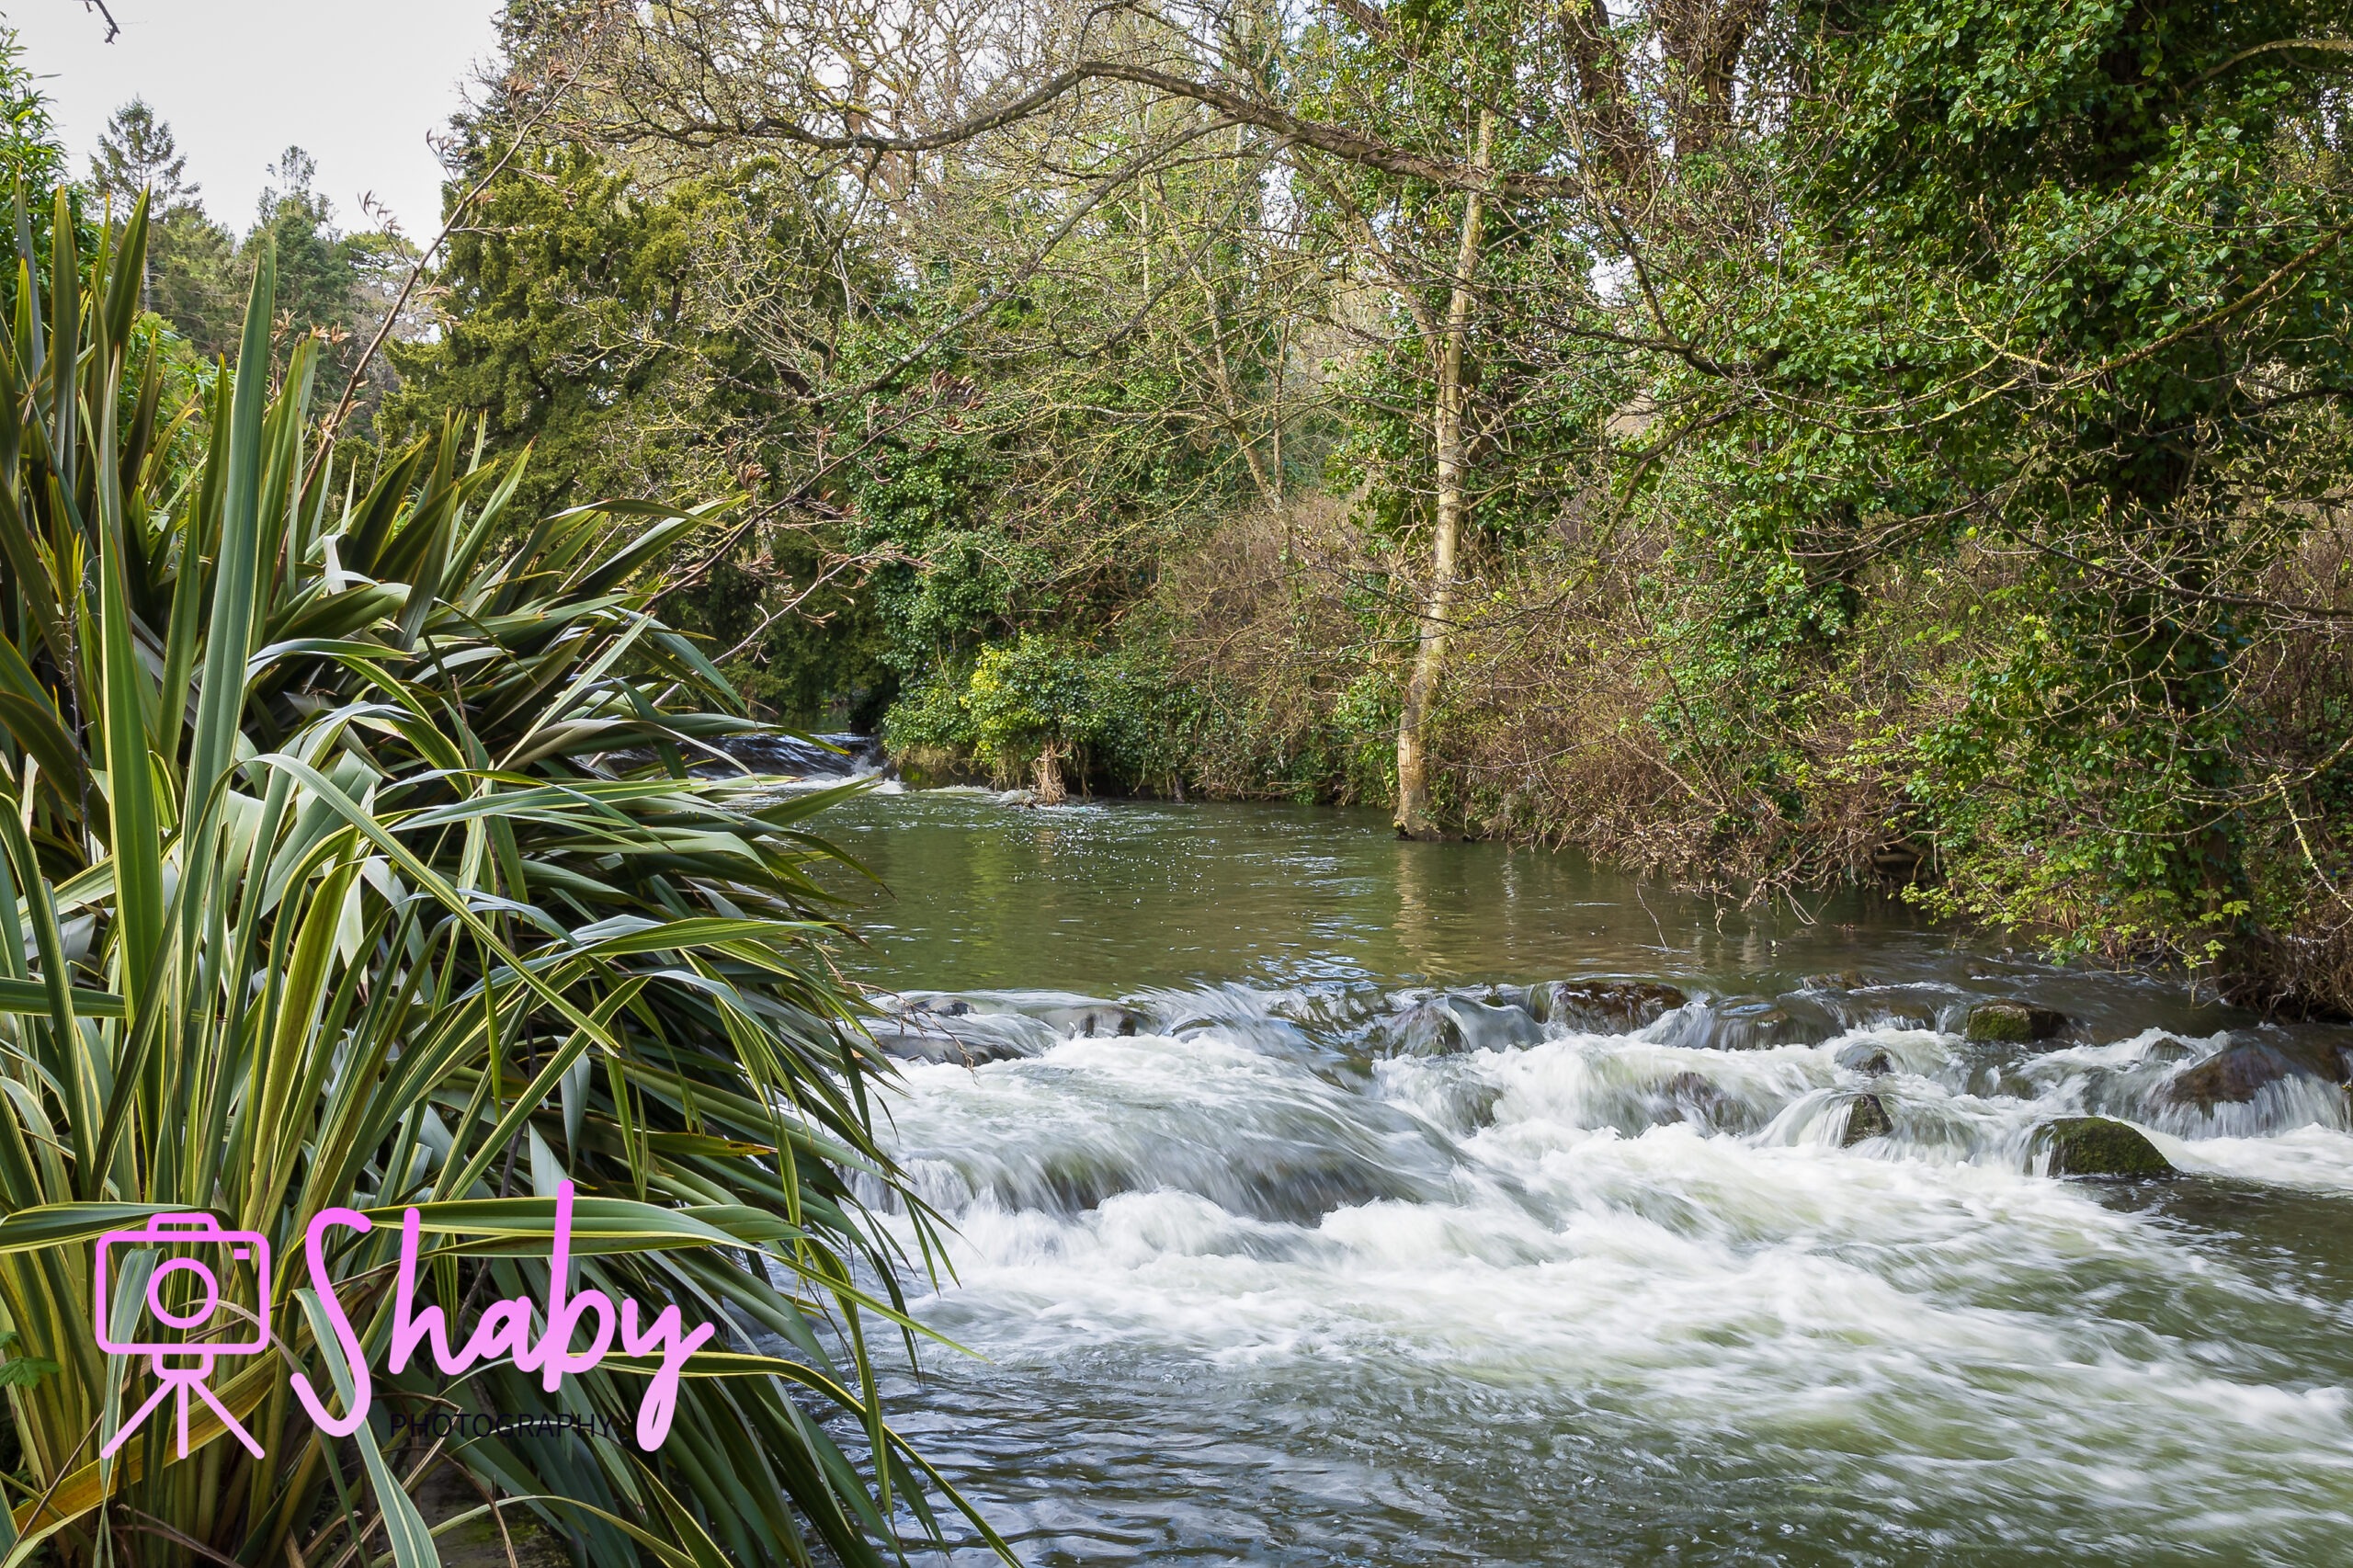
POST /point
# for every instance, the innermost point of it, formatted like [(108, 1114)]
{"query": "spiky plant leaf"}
[(348, 873)]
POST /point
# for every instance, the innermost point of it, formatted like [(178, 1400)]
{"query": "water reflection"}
[(1112, 898)]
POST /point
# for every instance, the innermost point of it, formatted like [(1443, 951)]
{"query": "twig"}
[(408, 285), (2335, 44)]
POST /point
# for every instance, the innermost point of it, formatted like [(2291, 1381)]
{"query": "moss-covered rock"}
[(2013, 1023), (2100, 1146), (1866, 1117)]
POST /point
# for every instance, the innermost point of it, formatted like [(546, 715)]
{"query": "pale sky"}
[(359, 83)]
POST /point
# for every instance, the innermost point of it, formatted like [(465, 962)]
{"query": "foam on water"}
[(1568, 1249)]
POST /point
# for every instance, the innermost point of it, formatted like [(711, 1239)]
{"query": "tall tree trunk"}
[(1414, 820)]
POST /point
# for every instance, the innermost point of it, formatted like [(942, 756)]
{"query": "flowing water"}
[(1285, 1233)]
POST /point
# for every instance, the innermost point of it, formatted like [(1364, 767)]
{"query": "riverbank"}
[(1602, 711)]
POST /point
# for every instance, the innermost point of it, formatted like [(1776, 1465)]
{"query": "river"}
[(1284, 1233)]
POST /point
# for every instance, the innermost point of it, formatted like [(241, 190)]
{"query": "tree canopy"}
[(1768, 442)]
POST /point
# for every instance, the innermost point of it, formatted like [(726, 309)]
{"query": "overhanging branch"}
[(1339, 141)]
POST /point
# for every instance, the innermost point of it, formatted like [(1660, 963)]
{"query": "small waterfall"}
[(1779, 1071), (1267, 1228)]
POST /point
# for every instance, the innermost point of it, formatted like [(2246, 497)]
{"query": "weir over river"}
[(1291, 1226)]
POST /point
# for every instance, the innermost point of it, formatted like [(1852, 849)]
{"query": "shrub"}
[(361, 867)]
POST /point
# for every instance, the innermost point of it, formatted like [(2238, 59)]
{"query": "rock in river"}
[(1693, 1098), (1866, 1117), (1096, 1020), (1447, 1025), (2098, 1146), (2013, 1023), (1426, 1029), (972, 1044), (1868, 1060), (1603, 1007), (1756, 1024), (2232, 1075)]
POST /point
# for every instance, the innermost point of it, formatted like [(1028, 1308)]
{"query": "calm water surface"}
[(1260, 1269)]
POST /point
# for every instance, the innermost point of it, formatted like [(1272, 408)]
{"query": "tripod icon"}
[(179, 1309), (182, 1381)]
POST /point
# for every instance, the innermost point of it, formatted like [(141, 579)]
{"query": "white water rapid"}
[(1257, 1283)]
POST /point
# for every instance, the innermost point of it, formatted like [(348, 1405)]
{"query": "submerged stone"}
[(2232, 1075), (909, 1041), (1694, 1098), (1866, 1117), (1603, 1007), (1099, 1021), (1758, 1025), (2100, 1146), (1868, 1060), (2013, 1023), (2322, 1058), (1448, 1025), (1426, 1029)]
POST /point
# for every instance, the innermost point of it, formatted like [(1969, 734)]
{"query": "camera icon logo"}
[(177, 1263)]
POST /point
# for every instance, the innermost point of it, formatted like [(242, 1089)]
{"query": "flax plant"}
[(356, 860)]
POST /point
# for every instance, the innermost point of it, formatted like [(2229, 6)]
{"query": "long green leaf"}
[(404, 1527), (229, 632)]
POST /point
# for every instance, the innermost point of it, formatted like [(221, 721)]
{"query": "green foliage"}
[(597, 317), (30, 157), (21, 1371), (2094, 258), (1106, 713), (193, 280), (570, 324), (359, 869)]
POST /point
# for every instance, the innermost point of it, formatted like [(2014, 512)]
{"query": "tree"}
[(336, 286), (138, 152), (29, 153), (138, 155), (1379, 112), (317, 280), (1888, 434)]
